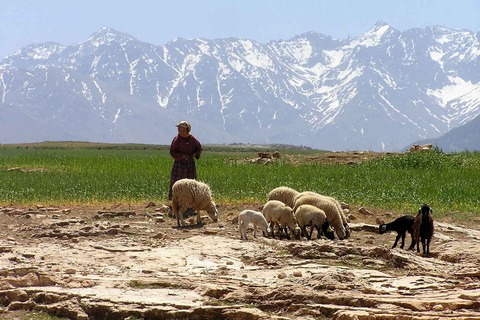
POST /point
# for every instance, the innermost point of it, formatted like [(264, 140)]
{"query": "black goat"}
[(423, 228), (401, 226)]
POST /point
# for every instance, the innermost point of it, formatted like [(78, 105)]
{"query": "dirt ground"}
[(133, 262)]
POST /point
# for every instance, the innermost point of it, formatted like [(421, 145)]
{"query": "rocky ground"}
[(132, 262)]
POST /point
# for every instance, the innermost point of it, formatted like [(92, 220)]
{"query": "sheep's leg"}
[(286, 233), (180, 215), (241, 230), (396, 240), (412, 246), (303, 231), (403, 241), (175, 212), (254, 230), (272, 227), (319, 232), (428, 246), (199, 219), (311, 232)]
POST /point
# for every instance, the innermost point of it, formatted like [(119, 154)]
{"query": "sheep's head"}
[(213, 213), (348, 230), (296, 233), (330, 233), (266, 231), (425, 209), (382, 228)]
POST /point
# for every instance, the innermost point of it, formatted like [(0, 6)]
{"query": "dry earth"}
[(132, 262)]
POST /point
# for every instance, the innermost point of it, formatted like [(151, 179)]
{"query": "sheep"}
[(190, 193), (331, 210), (276, 212), (284, 194), (401, 226), (423, 228), (335, 201), (256, 218), (308, 215)]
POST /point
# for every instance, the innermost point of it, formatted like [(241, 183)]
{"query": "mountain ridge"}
[(378, 91)]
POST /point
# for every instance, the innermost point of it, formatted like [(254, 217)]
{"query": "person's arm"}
[(174, 149), (198, 149)]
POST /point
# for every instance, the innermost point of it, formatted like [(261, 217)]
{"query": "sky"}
[(68, 22)]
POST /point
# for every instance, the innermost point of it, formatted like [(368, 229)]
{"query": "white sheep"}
[(256, 218), (283, 194), (308, 215), (331, 210), (335, 201), (278, 213), (189, 193)]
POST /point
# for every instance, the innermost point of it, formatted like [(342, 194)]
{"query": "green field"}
[(85, 173)]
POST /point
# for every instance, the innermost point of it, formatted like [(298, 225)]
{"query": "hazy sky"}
[(23, 22)]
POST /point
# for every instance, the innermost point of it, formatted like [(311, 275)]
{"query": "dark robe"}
[(184, 168)]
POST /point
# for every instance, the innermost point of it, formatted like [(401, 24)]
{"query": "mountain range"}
[(380, 91)]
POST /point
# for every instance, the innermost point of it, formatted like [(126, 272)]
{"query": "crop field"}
[(77, 173)]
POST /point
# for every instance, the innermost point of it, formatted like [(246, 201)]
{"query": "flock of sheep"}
[(290, 210)]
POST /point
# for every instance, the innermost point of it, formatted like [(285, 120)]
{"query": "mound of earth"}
[(132, 262)]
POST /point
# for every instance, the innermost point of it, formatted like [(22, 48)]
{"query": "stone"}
[(364, 211), (297, 274), (70, 271)]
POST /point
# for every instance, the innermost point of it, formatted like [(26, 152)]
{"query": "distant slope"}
[(466, 137)]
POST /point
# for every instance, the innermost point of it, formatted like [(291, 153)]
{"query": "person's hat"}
[(184, 124)]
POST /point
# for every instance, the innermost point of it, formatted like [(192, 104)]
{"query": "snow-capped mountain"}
[(379, 91)]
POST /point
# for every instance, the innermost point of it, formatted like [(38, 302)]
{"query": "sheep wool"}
[(335, 201), (283, 194), (308, 215), (189, 193), (331, 210), (277, 212), (254, 217)]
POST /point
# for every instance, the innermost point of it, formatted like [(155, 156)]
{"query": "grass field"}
[(73, 173)]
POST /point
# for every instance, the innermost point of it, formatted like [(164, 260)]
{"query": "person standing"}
[(184, 148)]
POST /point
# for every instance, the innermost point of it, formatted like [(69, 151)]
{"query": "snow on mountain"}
[(378, 91)]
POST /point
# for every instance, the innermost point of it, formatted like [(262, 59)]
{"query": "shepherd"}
[(184, 149)]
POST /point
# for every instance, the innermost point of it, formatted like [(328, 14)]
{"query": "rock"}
[(17, 305), (364, 211), (379, 221), (438, 307), (282, 275), (70, 271), (297, 274), (150, 205)]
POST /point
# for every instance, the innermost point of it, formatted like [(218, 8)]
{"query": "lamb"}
[(283, 194), (401, 226), (190, 193), (256, 218), (423, 228), (335, 201), (308, 215), (331, 210), (278, 213)]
